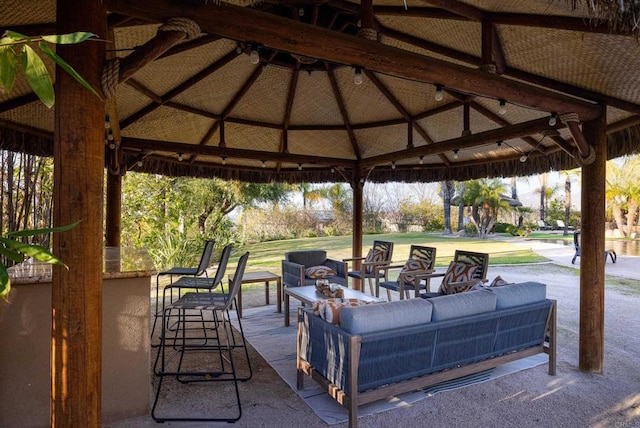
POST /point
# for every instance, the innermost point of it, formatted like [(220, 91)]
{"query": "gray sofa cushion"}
[(307, 258), (462, 304), (523, 293), (384, 316)]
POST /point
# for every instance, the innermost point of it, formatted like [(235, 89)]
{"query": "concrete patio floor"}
[(530, 398)]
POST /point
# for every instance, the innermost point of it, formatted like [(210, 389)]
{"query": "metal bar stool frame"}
[(219, 304)]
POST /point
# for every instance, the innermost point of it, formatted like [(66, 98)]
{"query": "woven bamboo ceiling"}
[(267, 91)]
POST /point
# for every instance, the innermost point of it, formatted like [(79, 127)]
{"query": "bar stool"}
[(176, 345)]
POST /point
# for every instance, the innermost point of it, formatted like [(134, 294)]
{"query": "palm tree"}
[(309, 195), (567, 197), (485, 197), (615, 193)]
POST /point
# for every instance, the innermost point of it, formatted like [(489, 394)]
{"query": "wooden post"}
[(356, 242), (113, 221), (76, 342), (591, 354)]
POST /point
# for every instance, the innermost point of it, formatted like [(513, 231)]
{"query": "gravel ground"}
[(530, 398)]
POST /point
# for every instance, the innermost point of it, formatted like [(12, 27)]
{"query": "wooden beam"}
[(20, 101), (473, 140), (592, 274), (458, 8), (138, 144), (239, 23), (78, 192)]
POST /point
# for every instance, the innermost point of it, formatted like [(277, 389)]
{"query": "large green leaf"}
[(36, 251), (62, 63), (33, 232), (37, 76), (5, 283), (10, 254), (8, 67), (16, 36), (68, 39)]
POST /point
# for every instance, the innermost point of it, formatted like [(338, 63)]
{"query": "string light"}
[(299, 167), (439, 94), (333, 170), (502, 109), (254, 56), (553, 119), (523, 158), (421, 161), (393, 165), (179, 157), (140, 162), (224, 160), (264, 164), (357, 76), (455, 154)]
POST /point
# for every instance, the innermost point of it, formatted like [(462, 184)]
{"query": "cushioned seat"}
[(305, 267), (379, 255), (419, 264)]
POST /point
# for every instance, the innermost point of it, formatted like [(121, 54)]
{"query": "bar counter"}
[(25, 340)]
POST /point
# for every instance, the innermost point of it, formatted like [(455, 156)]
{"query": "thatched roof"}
[(204, 109)]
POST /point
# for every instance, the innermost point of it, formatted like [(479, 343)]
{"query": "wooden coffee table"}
[(262, 276), (308, 295)]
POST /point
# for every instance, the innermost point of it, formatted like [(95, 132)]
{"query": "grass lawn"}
[(268, 255)]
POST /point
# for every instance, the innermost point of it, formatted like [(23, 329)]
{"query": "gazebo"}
[(316, 91)]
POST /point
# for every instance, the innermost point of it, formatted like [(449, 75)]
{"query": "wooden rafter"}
[(234, 101), (181, 88), (343, 111), (240, 23)]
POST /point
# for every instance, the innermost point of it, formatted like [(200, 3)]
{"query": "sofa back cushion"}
[(385, 316), (462, 304), (307, 257), (523, 293)]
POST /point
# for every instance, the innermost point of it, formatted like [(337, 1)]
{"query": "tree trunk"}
[(447, 193), (543, 190), (632, 206), (618, 217), (461, 207), (567, 204)]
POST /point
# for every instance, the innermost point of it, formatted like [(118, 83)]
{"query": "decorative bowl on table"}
[(325, 289)]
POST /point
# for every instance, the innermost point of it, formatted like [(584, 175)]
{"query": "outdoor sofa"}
[(383, 349)]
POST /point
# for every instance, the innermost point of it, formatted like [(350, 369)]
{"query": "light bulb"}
[(357, 76), (140, 163), (299, 167), (421, 160), (301, 11), (224, 160), (333, 170), (502, 109), (455, 154), (439, 95), (553, 120), (254, 56), (179, 157), (523, 158), (264, 164), (393, 165)]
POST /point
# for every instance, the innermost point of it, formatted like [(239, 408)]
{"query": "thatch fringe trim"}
[(624, 142), (620, 15), (22, 142)]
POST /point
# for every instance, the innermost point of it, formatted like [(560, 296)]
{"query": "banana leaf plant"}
[(16, 250), (18, 49)]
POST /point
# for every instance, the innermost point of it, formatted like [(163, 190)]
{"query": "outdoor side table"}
[(262, 276)]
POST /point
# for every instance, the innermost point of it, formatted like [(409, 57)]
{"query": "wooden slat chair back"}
[(404, 284), (368, 269)]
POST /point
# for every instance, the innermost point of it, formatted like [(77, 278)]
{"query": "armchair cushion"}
[(374, 256), (457, 272), (319, 272), (413, 265), (307, 257), (384, 316)]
